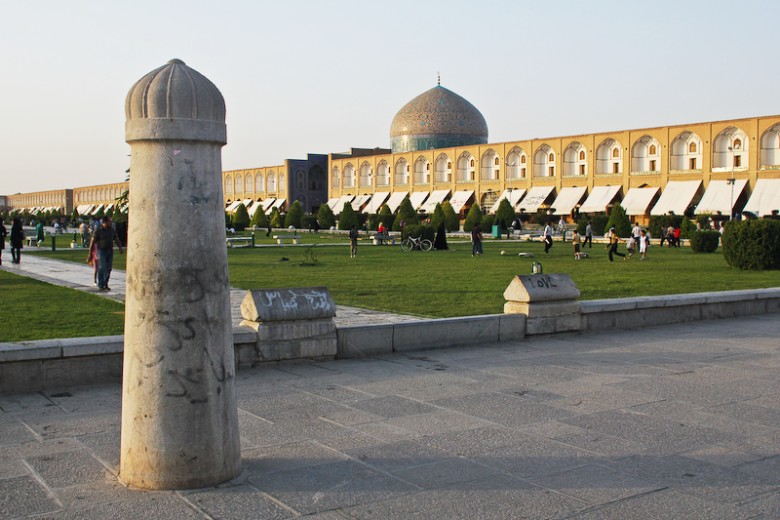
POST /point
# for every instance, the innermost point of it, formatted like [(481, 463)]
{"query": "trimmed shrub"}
[(451, 219), (620, 221), (752, 244), (418, 230), (241, 218), (348, 218), (437, 217), (373, 222), (294, 216), (259, 219), (386, 216), (307, 221), (486, 223), (661, 221), (275, 218), (473, 218), (325, 217), (704, 241), (505, 214), (687, 228), (597, 222), (406, 214)]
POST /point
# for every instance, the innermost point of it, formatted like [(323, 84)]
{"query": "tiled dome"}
[(437, 118)]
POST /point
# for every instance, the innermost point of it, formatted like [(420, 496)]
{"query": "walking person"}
[(353, 239), (548, 240), (588, 235), (636, 232), (93, 260), (104, 239), (614, 240), (17, 238), (39, 236), (476, 240), (644, 241), (3, 234)]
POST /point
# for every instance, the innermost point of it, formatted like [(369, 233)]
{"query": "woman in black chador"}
[(17, 237), (440, 243)]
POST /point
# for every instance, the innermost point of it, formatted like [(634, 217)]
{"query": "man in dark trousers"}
[(353, 238), (105, 237)]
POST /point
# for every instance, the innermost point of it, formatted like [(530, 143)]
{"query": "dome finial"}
[(438, 78)]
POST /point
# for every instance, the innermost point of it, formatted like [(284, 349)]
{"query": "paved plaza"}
[(677, 422)]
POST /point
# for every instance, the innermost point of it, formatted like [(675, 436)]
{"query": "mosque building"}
[(440, 151)]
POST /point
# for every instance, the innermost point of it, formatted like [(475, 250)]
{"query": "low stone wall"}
[(56, 364)]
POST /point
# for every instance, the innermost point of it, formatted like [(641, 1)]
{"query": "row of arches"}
[(253, 183), (103, 194), (729, 151)]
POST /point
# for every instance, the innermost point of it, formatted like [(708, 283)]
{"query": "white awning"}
[(233, 205), (248, 202), (267, 203), (600, 197), (360, 201), (568, 198), (254, 207), (396, 199), (332, 202), (637, 201), (535, 198), (437, 197), (514, 196), (345, 199), (460, 199), (676, 197), (417, 198), (719, 197), (375, 204), (765, 197), (83, 208), (278, 203), (97, 209)]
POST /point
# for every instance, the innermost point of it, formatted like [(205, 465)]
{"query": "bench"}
[(31, 241), (247, 241), (379, 240), (281, 238)]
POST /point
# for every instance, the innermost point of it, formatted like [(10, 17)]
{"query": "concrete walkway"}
[(674, 422), (80, 277)]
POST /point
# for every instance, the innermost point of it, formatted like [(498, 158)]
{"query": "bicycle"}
[(421, 244)]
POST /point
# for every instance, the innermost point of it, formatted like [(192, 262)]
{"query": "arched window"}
[(382, 174), (645, 156), (770, 148), (443, 169), (228, 185), (489, 166), (401, 172), (422, 171), (335, 177), (609, 157), (349, 176), (249, 181), (239, 184), (574, 160), (282, 184), (465, 168), (271, 182), (544, 162), (515, 163), (260, 183), (727, 150), (686, 152), (365, 174)]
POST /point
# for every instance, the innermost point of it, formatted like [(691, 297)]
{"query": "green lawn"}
[(33, 310), (452, 283)]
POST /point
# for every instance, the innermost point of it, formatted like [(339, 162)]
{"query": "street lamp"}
[(731, 181)]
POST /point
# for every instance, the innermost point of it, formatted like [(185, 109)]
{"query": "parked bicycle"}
[(416, 244)]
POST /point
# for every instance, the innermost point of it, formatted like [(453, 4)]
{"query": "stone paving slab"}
[(494, 432), (80, 277)]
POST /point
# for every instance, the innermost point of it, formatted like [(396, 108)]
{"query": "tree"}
[(505, 214), (386, 216), (325, 217), (276, 218), (294, 216), (406, 214), (473, 218), (259, 219), (451, 219), (240, 218), (620, 221), (347, 219), (438, 217)]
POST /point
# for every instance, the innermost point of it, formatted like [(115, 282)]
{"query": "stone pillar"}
[(549, 301), (179, 414)]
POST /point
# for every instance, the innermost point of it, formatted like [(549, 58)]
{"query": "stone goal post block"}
[(550, 302), (291, 323)]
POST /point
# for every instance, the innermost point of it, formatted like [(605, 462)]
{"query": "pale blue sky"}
[(320, 76)]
